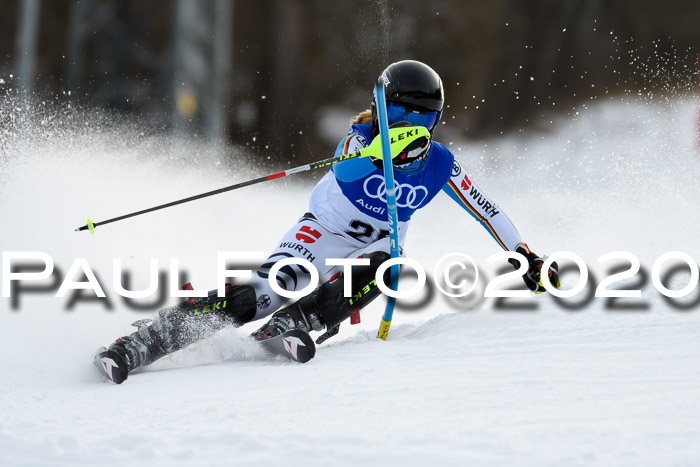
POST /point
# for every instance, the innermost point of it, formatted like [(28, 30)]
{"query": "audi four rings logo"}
[(407, 196)]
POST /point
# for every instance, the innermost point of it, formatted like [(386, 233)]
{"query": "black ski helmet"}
[(413, 85)]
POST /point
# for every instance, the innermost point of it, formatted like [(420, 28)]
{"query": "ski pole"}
[(388, 166), (401, 138)]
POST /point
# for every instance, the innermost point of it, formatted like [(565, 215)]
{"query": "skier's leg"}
[(326, 307), (182, 325)]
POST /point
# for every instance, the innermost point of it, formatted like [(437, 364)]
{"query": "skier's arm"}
[(465, 193), (461, 189), (352, 169)]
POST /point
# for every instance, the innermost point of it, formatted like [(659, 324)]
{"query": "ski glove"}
[(532, 276)]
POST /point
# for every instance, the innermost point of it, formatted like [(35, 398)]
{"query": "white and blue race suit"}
[(347, 213), (351, 200)]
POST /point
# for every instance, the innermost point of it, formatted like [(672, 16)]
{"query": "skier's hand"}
[(532, 276)]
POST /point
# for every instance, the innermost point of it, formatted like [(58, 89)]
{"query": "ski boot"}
[(287, 331), (175, 328), (326, 307)]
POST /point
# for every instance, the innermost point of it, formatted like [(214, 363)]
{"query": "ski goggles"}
[(398, 113)]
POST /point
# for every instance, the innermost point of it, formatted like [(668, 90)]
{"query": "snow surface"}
[(460, 382)]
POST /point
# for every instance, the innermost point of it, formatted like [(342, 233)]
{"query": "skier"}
[(347, 218)]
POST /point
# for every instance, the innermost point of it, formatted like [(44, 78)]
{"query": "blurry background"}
[(281, 78)]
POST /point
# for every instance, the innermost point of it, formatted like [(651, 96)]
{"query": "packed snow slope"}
[(582, 381)]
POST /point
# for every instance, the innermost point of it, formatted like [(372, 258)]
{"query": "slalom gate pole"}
[(391, 206), (404, 137)]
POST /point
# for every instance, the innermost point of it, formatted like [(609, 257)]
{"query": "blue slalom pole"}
[(388, 167)]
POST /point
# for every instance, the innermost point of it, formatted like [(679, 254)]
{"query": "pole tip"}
[(383, 329)]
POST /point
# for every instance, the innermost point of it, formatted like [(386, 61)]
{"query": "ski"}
[(110, 365), (296, 345)]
